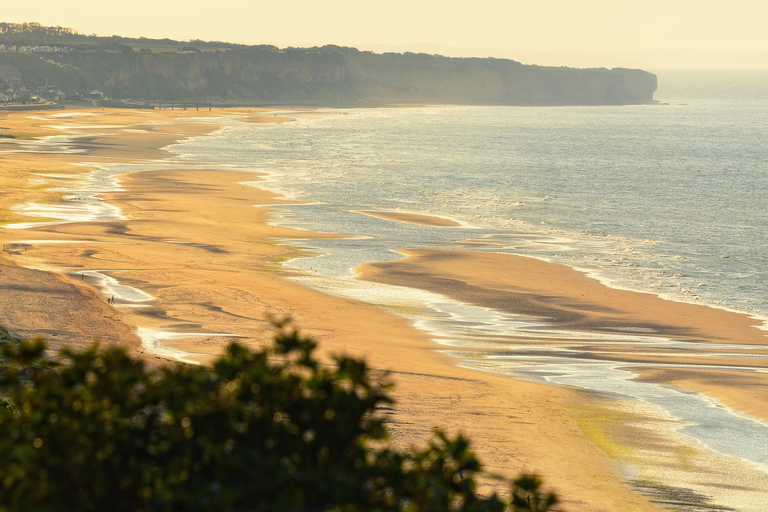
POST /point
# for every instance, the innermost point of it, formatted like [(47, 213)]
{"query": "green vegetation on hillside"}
[(37, 34), (197, 71), (267, 430)]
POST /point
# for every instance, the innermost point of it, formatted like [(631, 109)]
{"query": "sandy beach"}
[(208, 264)]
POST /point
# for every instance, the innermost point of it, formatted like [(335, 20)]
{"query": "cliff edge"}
[(326, 76)]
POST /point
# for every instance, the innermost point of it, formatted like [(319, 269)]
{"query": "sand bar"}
[(412, 218), (747, 393), (568, 299)]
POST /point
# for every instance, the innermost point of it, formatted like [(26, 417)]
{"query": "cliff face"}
[(331, 76)]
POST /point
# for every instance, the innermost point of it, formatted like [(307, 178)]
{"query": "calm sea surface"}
[(669, 198)]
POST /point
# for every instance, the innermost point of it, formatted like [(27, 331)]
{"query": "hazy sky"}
[(631, 33)]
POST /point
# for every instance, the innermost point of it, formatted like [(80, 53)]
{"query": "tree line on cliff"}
[(196, 71), (272, 429)]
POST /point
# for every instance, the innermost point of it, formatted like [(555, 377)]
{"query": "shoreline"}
[(213, 293), (215, 274), (386, 341)]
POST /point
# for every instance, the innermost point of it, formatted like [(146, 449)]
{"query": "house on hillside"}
[(11, 76)]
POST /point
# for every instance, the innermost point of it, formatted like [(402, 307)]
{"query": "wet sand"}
[(193, 240), (65, 313), (569, 300), (744, 392), (412, 218)]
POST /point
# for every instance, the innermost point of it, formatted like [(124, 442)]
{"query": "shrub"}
[(272, 430)]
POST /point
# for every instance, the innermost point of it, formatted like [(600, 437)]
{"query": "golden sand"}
[(412, 218), (740, 391), (193, 240), (567, 297)]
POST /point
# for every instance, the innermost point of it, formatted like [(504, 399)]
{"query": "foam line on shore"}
[(152, 339), (80, 212), (30, 225), (73, 114), (46, 242), (114, 288)]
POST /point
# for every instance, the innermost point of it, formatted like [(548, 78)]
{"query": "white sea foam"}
[(152, 339), (44, 242), (75, 114), (112, 287), (29, 225), (76, 212)]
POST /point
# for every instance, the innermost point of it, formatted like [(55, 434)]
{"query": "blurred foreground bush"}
[(272, 430)]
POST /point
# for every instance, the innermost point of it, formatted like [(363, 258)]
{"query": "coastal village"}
[(14, 91), (36, 49)]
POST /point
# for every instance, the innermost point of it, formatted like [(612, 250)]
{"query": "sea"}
[(669, 198)]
